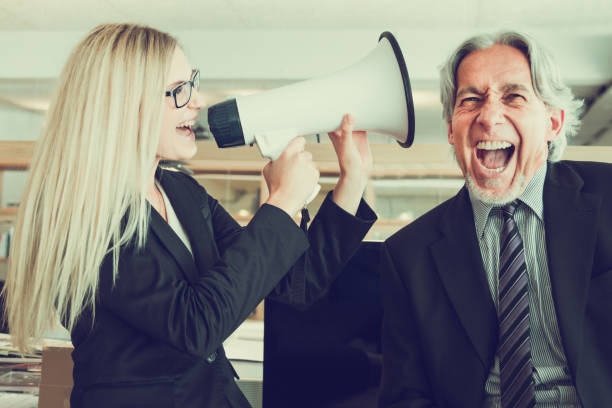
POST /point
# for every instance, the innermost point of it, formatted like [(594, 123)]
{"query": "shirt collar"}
[(532, 196)]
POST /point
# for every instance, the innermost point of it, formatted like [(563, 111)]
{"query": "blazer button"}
[(211, 359)]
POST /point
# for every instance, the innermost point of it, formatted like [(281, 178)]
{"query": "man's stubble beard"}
[(493, 198), (502, 197)]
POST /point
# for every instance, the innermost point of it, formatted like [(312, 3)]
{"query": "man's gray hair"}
[(545, 78)]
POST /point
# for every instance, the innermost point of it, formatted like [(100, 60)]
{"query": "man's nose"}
[(491, 113)]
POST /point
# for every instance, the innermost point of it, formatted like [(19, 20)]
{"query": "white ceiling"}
[(249, 45), (310, 15)]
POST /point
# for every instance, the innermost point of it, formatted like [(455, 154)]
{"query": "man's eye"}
[(514, 97), (470, 100)]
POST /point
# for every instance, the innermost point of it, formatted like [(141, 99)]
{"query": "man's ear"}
[(449, 132), (557, 119)]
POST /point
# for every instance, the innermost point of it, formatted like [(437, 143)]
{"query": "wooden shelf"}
[(390, 162), (390, 159), (3, 269), (8, 214), (15, 155)]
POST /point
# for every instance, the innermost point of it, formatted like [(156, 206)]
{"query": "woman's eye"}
[(179, 90)]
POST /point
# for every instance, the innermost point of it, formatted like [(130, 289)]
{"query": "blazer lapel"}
[(194, 214), (173, 244), (571, 223), (457, 257)]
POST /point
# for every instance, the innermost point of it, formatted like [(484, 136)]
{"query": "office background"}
[(247, 46)]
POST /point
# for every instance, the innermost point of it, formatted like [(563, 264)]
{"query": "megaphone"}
[(376, 91)]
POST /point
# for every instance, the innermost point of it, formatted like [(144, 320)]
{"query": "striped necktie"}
[(517, 386)]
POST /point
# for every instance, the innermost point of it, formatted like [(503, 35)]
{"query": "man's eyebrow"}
[(505, 88), (468, 90), (514, 87)]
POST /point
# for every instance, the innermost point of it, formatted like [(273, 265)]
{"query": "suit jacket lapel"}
[(173, 244), (194, 214), (457, 256), (571, 223)]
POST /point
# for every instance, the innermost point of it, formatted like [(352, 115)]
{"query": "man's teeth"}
[(493, 145)]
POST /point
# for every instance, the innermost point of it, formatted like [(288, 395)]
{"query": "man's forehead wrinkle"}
[(505, 88)]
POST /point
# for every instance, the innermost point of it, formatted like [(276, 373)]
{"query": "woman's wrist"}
[(349, 190), (355, 180), (283, 204)]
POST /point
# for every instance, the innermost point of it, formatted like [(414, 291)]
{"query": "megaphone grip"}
[(224, 122)]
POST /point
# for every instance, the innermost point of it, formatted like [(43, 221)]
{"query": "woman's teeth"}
[(186, 125)]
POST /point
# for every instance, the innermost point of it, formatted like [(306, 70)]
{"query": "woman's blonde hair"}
[(85, 195)]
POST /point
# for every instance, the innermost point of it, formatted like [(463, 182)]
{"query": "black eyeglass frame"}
[(194, 78)]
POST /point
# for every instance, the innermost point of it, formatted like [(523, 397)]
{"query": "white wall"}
[(296, 54)]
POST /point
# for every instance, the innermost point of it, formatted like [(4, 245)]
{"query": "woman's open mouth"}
[(185, 128), (494, 155)]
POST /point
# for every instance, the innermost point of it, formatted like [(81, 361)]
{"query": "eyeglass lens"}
[(182, 94)]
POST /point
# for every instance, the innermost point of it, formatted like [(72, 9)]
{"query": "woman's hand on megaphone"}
[(291, 178), (355, 160)]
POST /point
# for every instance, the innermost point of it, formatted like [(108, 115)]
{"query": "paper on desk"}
[(246, 343), (8, 350), (11, 400)]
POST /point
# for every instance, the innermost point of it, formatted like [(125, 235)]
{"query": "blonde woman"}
[(145, 269)]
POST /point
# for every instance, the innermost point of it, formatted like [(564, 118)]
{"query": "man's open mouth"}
[(494, 155)]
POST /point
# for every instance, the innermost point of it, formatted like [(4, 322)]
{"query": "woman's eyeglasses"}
[(182, 92)]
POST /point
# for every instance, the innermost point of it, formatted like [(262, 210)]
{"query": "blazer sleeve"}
[(404, 380), (196, 316), (334, 236)]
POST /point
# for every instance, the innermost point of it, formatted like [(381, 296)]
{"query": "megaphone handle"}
[(312, 195), (272, 144), (305, 216)]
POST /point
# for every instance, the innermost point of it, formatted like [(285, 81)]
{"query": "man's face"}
[(500, 128)]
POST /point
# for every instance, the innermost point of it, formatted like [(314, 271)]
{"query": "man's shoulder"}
[(594, 176), (587, 166)]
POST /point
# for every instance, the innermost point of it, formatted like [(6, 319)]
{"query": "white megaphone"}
[(375, 90)]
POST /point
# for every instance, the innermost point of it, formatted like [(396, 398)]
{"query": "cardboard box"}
[(56, 378)]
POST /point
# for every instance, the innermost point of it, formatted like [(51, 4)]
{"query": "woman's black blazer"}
[(156, 339)]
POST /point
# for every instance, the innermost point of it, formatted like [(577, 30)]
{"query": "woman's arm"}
[(340, 225), (355, 160)]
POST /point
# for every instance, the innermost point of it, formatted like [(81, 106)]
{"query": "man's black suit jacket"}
[(440, 326), (156, 340)]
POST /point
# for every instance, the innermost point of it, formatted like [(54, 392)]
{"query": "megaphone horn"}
[(376, 91)]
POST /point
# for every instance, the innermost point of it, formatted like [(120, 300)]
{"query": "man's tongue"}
[(494, 159)]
